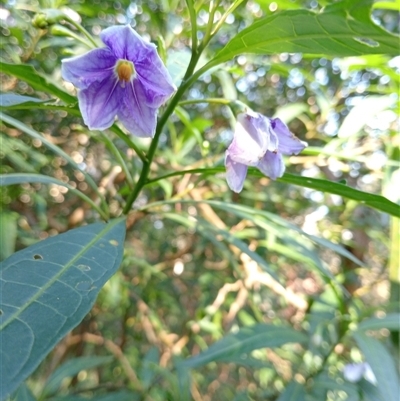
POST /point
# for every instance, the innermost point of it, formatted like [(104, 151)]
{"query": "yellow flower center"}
[(125, 70)]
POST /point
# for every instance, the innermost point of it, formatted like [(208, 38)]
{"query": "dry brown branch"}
[(253, 274), (113, 348)]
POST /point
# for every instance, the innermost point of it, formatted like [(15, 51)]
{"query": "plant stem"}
[(186, 82), (82, 30)]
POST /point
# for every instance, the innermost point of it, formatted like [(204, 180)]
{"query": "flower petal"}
[(125, 43), (353, 372), (94, 66), (288, 143), (251, 139), (156, 80), (369, 375), (235, 173), (272, 165), (99, 103), (138, 118)]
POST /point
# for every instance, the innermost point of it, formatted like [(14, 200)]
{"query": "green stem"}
[(226, 102), (193, 21), (82, 30), (201, 170), (208, 35), (126, 138), (230, 10), (114, 150), (186, 82)]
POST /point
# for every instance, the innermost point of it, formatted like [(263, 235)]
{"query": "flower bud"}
[(59, 30), (46, 18)]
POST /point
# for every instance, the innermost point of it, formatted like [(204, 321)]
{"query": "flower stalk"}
[(186, 82)]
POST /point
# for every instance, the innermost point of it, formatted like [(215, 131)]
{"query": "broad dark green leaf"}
[(244, 341), (293, 392), (28, 74), (341, 29), (71, 368), (381, 364), (390, 321), (47, 289), (23, 394)]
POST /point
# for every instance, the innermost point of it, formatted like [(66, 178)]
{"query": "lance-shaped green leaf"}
[(57, 150), (246, 340), (382, 364), (20, 178), (38, 82), (293, 392), (13, 99), (71, 368), (47, 289), (339, 30), (390, 321), (375, 201)]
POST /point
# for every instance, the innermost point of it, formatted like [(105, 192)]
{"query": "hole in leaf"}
[(113, 242), (84, 286), (367, 41), (37, 257), (84, 268)]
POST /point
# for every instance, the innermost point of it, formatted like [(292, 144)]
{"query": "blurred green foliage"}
[(201, 262)]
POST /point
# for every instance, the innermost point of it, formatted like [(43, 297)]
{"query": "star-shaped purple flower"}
[(259, 142), (126, 79)]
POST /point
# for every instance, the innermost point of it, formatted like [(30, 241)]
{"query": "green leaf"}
[(28, 74), (47, 289), (23, 394), (8, 233), (150, 363), (381, 364), (246, 340), (293, 392), (283, 229), (389, 5), (358, 116), (390, 321), (72, 368), (339, 30), (375, 201), (20, 178), (58, 151), (122, 395), (13, 99), (211, 232), (177, 64)]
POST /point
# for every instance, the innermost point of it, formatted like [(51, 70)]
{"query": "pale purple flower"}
[(354, 372), (126, 79), (259, 142)]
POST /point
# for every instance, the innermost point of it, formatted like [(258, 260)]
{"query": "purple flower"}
[(259, 142), (126, 79), (354, 372)]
